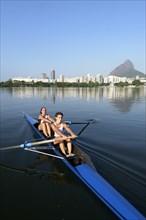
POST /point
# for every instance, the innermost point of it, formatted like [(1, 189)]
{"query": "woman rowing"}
[(62, 127), (45, 122)]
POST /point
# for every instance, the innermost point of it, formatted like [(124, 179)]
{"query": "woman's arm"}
[(58, 132), (65, 126), (44, 118), (50, 119)]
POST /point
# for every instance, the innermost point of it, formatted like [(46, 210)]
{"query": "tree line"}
[(11, 83)]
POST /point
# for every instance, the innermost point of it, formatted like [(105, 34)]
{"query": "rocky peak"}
[(128, 64), (123, 68)]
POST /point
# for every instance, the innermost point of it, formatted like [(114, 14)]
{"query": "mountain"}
[(126, 69)]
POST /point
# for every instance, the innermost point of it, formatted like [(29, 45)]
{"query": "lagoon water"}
[(34, 187)]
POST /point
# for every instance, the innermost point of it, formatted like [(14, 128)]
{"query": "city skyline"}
[(74, 38), (80, 79), (52, 75)]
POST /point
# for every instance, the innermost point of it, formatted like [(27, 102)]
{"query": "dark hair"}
[(58, 113), (41, 109)]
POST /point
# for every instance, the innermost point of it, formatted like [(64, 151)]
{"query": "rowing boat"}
[(87, 173)]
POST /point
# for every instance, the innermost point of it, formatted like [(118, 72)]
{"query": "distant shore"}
[(9, 83)]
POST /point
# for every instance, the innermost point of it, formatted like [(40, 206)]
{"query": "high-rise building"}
[(43, 76), (52, 78)]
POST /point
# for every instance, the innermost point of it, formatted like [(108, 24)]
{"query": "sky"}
[(74, 38)]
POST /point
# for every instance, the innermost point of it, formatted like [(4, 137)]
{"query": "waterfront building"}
[(52, 78), (61, 78), (29, 79), (99, 78), (82, 79), (44, 76)]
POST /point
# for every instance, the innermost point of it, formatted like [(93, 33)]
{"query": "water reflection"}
[(121, 98), (124, 98), (44, 168)]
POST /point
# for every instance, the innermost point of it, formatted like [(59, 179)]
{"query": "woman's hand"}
[(74, 136), (64, 137)]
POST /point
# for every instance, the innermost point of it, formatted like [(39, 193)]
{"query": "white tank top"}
[(61, 129), (41, 121)]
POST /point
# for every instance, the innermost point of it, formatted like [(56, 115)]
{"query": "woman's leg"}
[(69, 146), (62, 147), (42, 127), (48, 129)]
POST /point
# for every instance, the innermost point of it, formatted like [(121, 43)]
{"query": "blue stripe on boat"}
[(108, 194)]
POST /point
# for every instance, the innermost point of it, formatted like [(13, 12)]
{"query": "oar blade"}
[(91, 121)]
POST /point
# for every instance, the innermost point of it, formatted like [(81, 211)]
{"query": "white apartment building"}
[(99, 78), (115, 79), (61, 78), (29, 79)]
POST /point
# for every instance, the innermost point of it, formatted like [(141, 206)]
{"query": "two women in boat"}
[(58, 127)]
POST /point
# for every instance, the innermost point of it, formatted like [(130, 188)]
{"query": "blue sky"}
[(72, 37)]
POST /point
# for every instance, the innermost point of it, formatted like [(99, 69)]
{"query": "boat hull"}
[(87, 173)]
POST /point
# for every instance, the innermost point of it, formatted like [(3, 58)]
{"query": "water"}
[(41, 188)]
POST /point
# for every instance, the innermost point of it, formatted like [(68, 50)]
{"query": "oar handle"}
[(28, 145), (45, 141)]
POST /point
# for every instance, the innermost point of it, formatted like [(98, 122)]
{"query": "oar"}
[(32, 144), (79, 122), (83, 129), (90, 121)]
